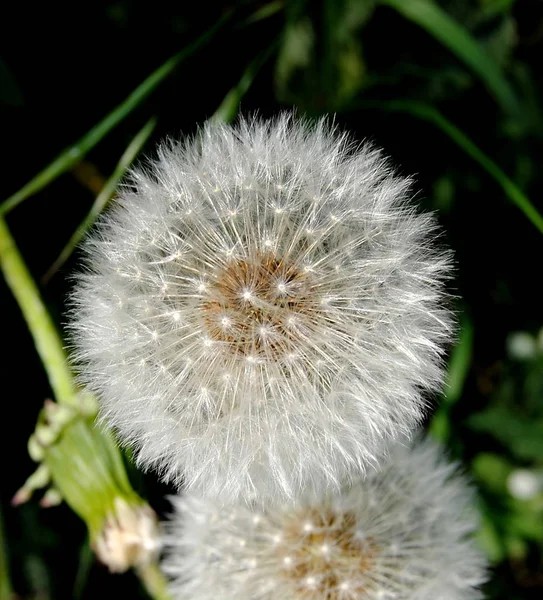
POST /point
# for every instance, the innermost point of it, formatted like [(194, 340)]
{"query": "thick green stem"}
[(46, 338)]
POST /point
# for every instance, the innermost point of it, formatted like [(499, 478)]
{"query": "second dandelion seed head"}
[(404, 533)]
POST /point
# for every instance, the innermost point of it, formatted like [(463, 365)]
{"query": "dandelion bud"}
[(262, 311), (129, 537), (83, 466), (403, 534)]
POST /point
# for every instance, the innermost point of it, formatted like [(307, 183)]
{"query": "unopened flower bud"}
[(129, 537)]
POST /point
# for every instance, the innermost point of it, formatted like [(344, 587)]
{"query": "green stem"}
[(154, 582), (46, 337)]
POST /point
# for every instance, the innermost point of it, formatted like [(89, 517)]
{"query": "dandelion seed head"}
[(414, 542), (284, 270)]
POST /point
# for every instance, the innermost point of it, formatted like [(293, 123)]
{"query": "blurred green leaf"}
[(37, 576), (522, 435), (526, 523), (491, 8), (430, 114), (500, 43), (265, 11), (489, 538), (295, 55), (493, 470), (320, 65), (459, 365), (516, 547), (431, 17), (443, 194)]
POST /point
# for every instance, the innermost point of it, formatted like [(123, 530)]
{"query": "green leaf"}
[(266, 11), (75, 153), (430, 114), (493, 470), (489, 539), (295, 56), (428, 15), (459, 365), (527, 523), (320, 66), (522, 435), (491, 8)]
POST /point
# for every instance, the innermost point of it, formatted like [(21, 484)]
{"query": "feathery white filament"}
[(262, 311)]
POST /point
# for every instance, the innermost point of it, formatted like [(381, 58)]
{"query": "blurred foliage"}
[(452, 89)]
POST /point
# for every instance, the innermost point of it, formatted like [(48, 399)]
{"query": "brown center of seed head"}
[(322, 557), (256, 305)]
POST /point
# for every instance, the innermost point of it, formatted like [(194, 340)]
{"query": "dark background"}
[(63, 67)]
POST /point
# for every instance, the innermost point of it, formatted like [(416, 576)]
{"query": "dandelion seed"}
[(331, 334), (404, 533)]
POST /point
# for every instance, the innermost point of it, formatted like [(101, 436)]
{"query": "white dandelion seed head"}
[(262, 311), (404, 533)]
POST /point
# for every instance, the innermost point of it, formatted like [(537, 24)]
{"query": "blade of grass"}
[(458, 369), (105, 195), (73, 154), (430, 114), (428, 15), (229, 107), (46, 338)]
